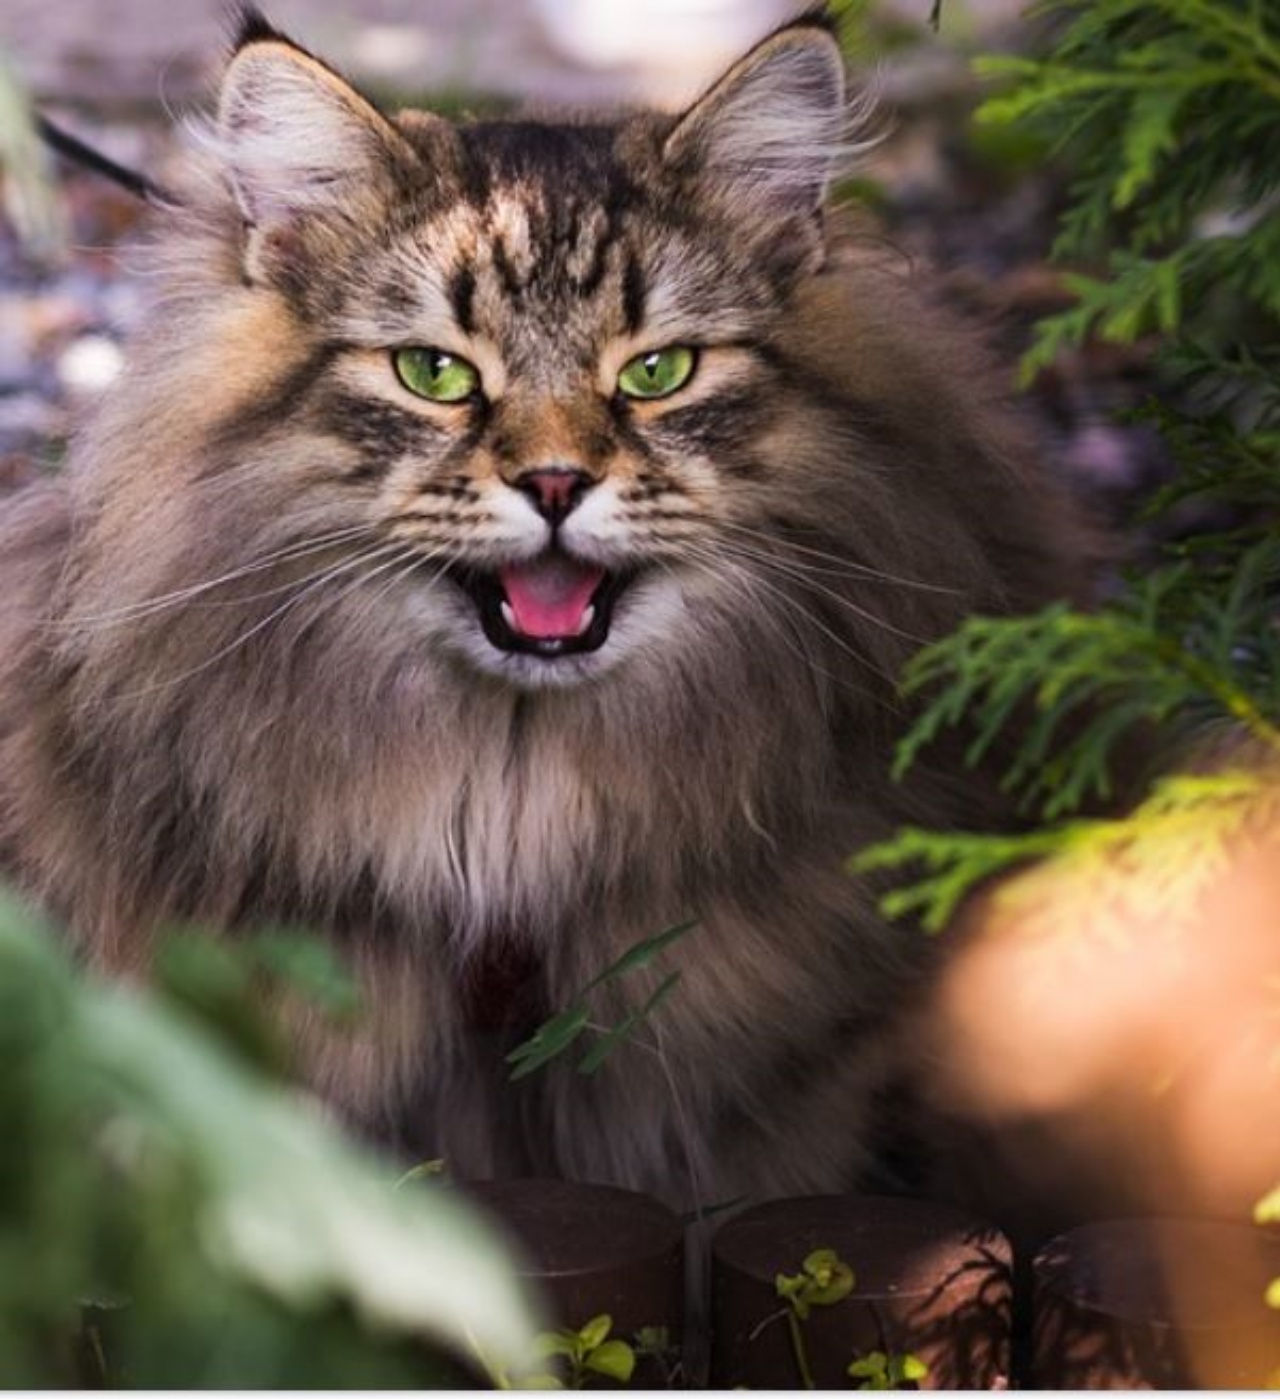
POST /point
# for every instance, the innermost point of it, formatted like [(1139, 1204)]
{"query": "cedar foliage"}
[(1169, 111)]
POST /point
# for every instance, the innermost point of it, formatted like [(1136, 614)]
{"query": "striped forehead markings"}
[(634, 292), (462, 292)]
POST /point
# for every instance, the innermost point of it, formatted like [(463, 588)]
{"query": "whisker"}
[(395, 548), (416, 562), (752, 581), (787, 571), (145, 608), (790, 635), (832, 563)]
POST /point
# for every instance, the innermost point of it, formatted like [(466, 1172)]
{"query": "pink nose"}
[(554, 490)]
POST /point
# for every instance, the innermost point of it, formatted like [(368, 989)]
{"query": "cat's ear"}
[(302, 149), (771, 129)]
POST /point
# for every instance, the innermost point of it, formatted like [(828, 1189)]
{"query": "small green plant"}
[(880, 1370), (823, 1280), (581, 1355), (554, 1036), (653, 1343)]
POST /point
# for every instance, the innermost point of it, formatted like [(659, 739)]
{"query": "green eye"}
[(657, 373), (433, 374)]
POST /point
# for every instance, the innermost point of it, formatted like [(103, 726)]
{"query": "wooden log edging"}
[(596, 1249), (929, 1281), (1136, 1303), (1155, 1304)]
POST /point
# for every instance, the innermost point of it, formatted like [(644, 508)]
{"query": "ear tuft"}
[(773, 128), (250, 26), (296, 138)]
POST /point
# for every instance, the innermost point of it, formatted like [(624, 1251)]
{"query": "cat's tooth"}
[(588, 616), (508, 616)]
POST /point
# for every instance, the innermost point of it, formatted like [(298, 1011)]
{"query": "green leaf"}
[(911, 1368), (830, 1278), (614, 1359), (293, 1208), (701, 1212), (184, 1178), (27, 189), (557, 1034), (551, 1038), (641, 954), (434, 1171), (1149, 136), (547, 1344), (873, 1365), (653, 1340), (1267, 1210), (620, 1034), (594, 1332), (308, 965)]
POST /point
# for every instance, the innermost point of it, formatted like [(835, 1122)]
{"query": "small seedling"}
[(653, 1343), (824, 1279), (880, 1370), (583, 1353)]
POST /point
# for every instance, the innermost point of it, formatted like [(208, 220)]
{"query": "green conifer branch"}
[(1165, 851)]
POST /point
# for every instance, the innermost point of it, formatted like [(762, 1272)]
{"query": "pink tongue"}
[(549, 595)]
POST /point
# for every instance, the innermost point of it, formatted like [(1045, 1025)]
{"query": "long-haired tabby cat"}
[(501, 546)]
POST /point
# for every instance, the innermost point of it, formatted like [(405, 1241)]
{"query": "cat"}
[(502, 545)]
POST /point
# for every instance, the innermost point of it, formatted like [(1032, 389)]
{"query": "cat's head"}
[(533, 359)]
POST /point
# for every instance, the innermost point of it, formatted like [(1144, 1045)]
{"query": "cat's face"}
[(538, 360)]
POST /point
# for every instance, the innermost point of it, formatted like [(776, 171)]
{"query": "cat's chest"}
[(498, 840)]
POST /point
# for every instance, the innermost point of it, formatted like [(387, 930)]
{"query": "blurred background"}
[(130, 52), (122, 73)]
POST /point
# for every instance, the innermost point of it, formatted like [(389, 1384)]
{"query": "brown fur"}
[(199, 722)]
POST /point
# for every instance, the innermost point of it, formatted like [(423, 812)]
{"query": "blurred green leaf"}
[(244, 1242), (613, 1359), (30, 199), (594, 1332)]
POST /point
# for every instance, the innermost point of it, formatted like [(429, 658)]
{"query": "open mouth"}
[(550, 606)]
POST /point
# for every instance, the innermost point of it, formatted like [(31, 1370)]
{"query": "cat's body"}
[(286, 644)]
